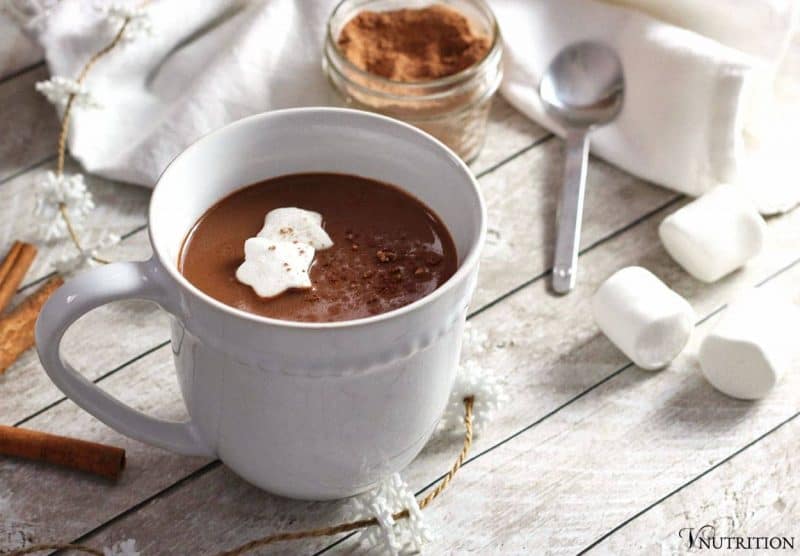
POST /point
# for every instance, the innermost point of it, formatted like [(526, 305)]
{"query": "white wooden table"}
[(590, 453)]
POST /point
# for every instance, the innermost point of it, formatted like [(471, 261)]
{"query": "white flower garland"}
[(139, 22), (63, 201), (473, 379), (54, 194), (59, 89), (122, 548), (489, 393), (391, 536)]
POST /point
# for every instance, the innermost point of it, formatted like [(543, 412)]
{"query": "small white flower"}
[(476, 341), (122, 548), (52, 192), (489, 393), (390, 536), (86, 256), (139, 22), (59, 89), (383, 537), (414, 525)]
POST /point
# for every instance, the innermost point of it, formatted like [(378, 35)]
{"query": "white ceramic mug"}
[(306, 410)]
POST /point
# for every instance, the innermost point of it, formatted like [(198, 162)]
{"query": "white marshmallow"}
[(296, 225), (714, 235), (751, 346), (645, 319), (279, 257), (272, 267)]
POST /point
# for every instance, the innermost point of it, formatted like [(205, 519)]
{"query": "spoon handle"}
[(570, 211)]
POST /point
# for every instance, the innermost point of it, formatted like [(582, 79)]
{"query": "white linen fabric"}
[(701, 79)]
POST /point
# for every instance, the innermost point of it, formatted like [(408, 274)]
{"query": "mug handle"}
[(87, 291)]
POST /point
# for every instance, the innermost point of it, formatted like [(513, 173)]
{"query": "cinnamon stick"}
[(13, 270), (98, 459), (9, 259), (17, 327)]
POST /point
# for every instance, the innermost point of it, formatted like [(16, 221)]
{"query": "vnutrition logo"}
[(705, 538)]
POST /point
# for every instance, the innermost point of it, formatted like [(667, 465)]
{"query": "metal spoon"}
[(582, 88)]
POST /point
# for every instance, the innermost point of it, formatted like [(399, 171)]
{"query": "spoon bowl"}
[(583, 87)]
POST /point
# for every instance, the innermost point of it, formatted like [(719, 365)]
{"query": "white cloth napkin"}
[(700, 79), (690, 100)]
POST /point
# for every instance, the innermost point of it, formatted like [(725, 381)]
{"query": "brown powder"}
[(413, 44)]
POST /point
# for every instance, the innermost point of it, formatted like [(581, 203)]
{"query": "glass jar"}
[(454, 109)]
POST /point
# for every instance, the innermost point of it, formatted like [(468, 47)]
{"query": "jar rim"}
[(463, 75)]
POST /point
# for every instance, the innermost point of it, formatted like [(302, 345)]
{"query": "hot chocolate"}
[(388, 250)]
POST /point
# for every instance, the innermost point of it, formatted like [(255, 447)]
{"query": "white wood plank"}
[(507, 133), (556, 483), (29, 123), (757, 493)]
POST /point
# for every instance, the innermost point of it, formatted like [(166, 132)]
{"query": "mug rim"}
[(462, 272)]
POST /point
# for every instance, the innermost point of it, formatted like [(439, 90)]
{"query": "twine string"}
[(72, 233), (62, 136), (65, 119), (469, 403), (311, 533)]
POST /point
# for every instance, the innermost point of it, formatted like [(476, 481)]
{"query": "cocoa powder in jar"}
[(411, 45), (436, 68)]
